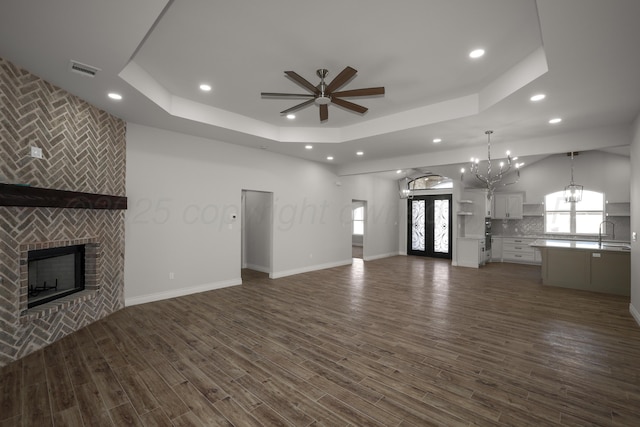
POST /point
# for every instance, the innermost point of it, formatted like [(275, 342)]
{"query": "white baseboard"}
[(635, 313), (259, 268), (462, 264), (375, 257), (285, 273), (181, 292)]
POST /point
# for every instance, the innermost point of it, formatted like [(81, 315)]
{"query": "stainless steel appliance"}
[(487, 239)]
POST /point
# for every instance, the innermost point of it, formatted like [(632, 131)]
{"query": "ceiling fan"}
[(323, 94)]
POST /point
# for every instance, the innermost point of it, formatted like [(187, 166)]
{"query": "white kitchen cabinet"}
[(486, 206), (517, 249), (478, 198), (532, 209), (618, 208), (507, 205), (470, 252), (473, 207), (496, 249)]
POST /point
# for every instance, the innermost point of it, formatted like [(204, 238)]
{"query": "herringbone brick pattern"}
[(83, 147), (84, 150), (25, 225)]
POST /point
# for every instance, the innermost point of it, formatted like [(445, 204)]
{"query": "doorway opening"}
[(358, 227), (257, 233)]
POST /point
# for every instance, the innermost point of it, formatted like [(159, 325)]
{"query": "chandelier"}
[(488, 180), (573, 191)]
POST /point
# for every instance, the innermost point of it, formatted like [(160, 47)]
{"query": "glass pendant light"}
[(573, 191)]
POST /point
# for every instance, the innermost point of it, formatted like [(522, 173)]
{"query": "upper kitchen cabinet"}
[(478, 199), (475, 207), (507, 205), (618, 208)]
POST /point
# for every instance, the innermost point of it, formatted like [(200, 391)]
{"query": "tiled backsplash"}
[(534, 226)]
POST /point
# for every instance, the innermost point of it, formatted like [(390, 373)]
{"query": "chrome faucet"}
[(613, 231)]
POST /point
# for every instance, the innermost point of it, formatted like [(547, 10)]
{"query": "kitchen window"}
[(582, 217)]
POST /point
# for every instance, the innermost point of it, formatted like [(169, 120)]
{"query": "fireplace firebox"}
[(55, 273)]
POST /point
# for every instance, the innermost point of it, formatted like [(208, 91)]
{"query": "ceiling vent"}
[(84, 69)]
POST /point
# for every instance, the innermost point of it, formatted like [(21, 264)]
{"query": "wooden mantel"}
[(26, 196)]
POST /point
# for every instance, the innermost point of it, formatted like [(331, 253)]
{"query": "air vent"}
[(84, 69)]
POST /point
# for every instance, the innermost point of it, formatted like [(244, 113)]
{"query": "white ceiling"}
[(581, 53)]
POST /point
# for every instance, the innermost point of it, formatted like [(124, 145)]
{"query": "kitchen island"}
[(586, 265)]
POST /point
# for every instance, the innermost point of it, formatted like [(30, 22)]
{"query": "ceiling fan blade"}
[(342, 78), (370, 91), (297, 107), (349, 105), (324, 112), (286, 95), (301, 81)]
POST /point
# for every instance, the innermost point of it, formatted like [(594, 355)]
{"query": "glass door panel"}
[(418, 225), (441, 226)]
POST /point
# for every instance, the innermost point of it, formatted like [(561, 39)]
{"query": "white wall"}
[(182, 191), (257, 223), (381, 216), (595, 170), (634, 307)]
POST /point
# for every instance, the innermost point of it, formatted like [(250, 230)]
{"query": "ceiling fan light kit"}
[(322, 95)]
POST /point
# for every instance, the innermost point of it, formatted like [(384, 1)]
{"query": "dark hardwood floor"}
[(398, 341), (356, 251)]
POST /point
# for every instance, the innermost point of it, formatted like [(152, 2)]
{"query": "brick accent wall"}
[(84, 150)]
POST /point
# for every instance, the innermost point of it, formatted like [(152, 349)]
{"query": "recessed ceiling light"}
[(205, 87), (538, 97), (556, 120), (291, 116), (477, 53), (329, 157), (115, 96), (436, 140), (308, 147), (360, 153)]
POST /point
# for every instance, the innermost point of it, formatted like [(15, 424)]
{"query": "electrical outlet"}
[(171, 276), (36, 152)]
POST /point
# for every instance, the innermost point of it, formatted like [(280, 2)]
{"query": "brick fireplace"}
[(73, 262), (83, 151)]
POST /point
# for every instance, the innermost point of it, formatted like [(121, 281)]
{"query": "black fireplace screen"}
[(55, 273)]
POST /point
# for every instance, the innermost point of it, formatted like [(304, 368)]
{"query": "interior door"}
[(430, 231)]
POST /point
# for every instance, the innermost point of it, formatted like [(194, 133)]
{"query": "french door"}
[(429, 230)]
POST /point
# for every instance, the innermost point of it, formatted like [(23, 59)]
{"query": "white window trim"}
[(572, 215)]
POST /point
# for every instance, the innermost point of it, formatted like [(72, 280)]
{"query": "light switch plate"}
[(36, 152), (634, 236)]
